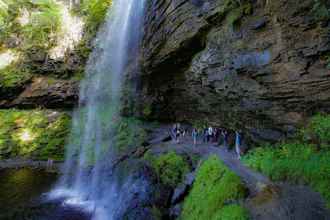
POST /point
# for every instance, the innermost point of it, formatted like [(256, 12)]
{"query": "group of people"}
[(178, 132), (218, 136)]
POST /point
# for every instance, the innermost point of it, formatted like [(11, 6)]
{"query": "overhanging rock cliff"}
[(260, 66)]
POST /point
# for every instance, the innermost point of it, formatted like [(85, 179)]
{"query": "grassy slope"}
[(306, 160), (170, 168), (215, 194)]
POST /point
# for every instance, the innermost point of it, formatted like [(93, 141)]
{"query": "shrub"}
[(13, 76), (317, 131), (238, 12), (129, 132), (93, 13), (296, 162), (320, 10), (214, 193), (44, 23), (33, 134), (170, 168)]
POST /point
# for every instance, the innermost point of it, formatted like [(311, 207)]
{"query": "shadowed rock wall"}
[(262, 66)]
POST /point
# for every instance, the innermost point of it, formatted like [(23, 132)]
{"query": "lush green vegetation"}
[(233, 10), (215, 194), (239, 10), (232, 212), (306, 160), (32, 28), (129, 132), (318, 131), (321, 10), (170, 168), (13, 76), (33, 134), (28, 28), (93, 13), (43, 22)]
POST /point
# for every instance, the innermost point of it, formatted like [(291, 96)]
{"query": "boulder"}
[(48, 93)]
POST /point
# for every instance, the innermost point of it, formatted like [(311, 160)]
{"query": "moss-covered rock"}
[(294, 162), (39, 31), (305, 159), (215, 193), (33, 134), (170, 168), (232, 212), (129, 133), (317, 131)]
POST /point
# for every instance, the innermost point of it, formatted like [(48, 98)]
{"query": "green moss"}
[(215, 187), (328, 62), (170, 168), (295, 162), (320, 125), (44, 23), (147, 111), (129, 132), (318, 131), (321, 10), (93, 13), (34, 134), (233, 10), (13, 76), (232, 212), (39, 32), (236, 14)]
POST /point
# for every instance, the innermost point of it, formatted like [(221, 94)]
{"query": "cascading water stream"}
[(86, 181)]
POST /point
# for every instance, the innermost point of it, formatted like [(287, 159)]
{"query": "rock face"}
[(261, 66), (46, 92)]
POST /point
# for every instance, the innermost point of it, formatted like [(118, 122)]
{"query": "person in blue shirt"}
[(194, 135), (238, 143)]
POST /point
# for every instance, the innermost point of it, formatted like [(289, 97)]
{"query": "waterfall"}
[(87, 181)]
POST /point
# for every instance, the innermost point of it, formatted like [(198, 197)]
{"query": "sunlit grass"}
[(34, 134), (215, 194), (306, 160)]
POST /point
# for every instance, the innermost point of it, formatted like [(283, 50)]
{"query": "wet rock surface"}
[(266, 71), (45, 92), (288, 202)]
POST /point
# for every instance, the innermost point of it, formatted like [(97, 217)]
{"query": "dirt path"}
[(254, 181)]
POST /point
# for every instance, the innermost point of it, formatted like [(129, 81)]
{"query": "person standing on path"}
[(238, 140), (173, 133), (209, 134), (205, 133), (225, 139), (178, 132), (194, 135)]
